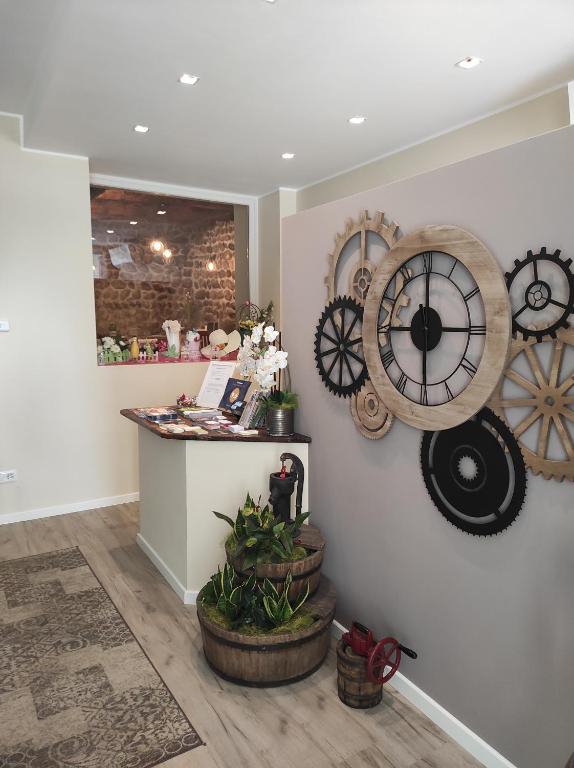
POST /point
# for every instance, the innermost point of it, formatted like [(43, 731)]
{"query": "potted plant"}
[(259, 360), (271, 548), (255, 635), (250, 315)]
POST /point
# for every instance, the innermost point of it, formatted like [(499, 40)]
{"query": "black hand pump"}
[(282, 485)]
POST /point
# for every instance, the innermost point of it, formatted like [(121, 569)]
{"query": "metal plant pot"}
[(281, 421)]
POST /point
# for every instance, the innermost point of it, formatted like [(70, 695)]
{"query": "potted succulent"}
[(270, 548), (255, 635)]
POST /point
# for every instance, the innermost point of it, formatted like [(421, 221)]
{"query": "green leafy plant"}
[(228, 593), (277, 606), (247, 604), (282, 399), (260, 537)]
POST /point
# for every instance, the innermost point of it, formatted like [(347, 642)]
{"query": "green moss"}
[(299, 553), (300, 621)]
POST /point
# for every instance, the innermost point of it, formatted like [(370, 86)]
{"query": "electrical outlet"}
[(8, 476)]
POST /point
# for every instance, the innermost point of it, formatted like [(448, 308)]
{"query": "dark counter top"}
[(214, 436)]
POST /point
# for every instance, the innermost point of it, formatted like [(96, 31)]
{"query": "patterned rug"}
[(76, 688)]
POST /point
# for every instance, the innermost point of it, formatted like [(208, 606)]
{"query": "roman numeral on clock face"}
[(388, 358), (402, 382), (472, 293), (427, 262), (469, 367)]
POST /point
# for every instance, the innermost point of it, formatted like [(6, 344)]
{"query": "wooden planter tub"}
[(306, 570), (272, 659)]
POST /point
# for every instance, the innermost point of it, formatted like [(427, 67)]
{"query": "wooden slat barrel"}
[(271, 659), (354, 687), (306, 570)]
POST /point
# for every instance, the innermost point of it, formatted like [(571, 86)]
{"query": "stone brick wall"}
[(136, 297)]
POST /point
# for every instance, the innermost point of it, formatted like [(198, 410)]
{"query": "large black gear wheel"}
[(475, 474), (339, 347), (538, 294)]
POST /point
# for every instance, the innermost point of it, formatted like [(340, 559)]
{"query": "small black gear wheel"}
[(339, 347), (537, 294), (475, 474)]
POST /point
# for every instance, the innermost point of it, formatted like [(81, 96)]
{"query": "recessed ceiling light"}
[(141, 128), (357, 120), (133, 223), (110, 231), (270, 1), (161, 212), (469, 63), (186, 79), (288, 155)]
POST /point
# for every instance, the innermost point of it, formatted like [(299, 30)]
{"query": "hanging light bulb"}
[(167, 255), (210, 266), (157, 246)]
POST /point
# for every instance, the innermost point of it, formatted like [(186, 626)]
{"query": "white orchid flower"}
[(257, 333), (270, 334)]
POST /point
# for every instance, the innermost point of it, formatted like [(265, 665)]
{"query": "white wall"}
[(492, 618), (59, 413), (532, 118)]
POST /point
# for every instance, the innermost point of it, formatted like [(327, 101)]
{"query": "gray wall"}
[(492, 619)]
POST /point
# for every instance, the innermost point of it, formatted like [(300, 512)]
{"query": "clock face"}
[(431, 328), (436, 327)]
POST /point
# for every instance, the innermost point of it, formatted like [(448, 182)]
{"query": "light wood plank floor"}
[(299, 726)]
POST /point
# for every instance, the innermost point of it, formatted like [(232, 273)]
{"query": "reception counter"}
[(183, 477)]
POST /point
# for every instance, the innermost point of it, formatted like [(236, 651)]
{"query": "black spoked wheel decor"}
[(339, 347), (541, 288), (475, 474)]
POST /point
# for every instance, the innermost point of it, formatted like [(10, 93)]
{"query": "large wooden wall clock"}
[(436, 365)]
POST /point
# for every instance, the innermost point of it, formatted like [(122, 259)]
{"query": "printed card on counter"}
[(215, 382)]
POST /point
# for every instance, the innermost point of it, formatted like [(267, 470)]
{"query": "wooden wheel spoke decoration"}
[(549, 400), (362, 271)]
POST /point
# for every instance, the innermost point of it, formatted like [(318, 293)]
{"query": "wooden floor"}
[(299, 726)]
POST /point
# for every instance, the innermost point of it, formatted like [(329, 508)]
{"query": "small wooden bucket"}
[(355, 688)]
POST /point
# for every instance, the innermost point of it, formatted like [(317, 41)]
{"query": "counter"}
[(183, 477)]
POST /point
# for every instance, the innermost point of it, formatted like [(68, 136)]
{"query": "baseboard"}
[(66, 509), (458, 731), (188, 596)]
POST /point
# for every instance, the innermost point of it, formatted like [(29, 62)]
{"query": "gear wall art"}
[(420, 328)]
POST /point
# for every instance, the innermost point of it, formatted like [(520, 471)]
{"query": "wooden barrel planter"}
[(271, 659), (308, 569), (354, 687)]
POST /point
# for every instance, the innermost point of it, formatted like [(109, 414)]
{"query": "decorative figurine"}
[(135, 348), (193, 345), (172, 330)]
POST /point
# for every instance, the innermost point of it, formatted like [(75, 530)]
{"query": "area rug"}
[(76, 688)]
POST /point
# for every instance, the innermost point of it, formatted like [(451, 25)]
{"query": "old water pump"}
[(282, 485)]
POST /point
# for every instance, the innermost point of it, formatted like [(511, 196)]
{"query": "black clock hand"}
[(425, 345)]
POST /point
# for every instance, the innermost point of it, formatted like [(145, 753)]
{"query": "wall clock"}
[(437, 366), (355, 279)]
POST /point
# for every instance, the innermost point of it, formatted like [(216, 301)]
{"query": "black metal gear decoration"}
[(538, 294), (475, 474), (339, 347)]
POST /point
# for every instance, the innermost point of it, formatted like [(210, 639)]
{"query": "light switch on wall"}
[(4, 326)]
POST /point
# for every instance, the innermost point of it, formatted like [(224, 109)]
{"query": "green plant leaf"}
[(251, 542), (287, 542), (301, 600), (269, 589), (250, 559), (278, 528), (279, 550), (224, 517)]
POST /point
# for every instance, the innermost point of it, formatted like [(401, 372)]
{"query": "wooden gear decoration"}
[(369, 413), (549, 396), (464, 248), (363, 270)]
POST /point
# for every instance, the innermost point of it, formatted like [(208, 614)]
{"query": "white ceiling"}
[(275, 77)]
